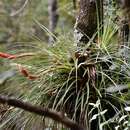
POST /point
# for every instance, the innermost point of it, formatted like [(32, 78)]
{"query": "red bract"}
[(8, 56), (32, 77), (24, 72)]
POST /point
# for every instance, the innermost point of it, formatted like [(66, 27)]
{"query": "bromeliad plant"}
[(83, 84)]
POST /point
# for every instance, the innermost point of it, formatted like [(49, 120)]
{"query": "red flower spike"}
[(8, 56)]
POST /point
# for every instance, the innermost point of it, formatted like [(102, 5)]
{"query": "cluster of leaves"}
[(77, 83)]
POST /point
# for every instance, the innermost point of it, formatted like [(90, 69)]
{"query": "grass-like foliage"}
[(83, 84)]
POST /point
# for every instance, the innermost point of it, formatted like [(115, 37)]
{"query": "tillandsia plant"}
[(50, 66), (86, 85)]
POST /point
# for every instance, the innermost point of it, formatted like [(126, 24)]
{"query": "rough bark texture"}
[(53, 17), (125, 22), (86, 23), (126, 3), (124, 31)]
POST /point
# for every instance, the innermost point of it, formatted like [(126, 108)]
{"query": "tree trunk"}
[(53, 17), (91, 11), (125, 21), (88, 22), (125, 29)]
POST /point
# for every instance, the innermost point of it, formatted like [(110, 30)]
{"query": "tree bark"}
[(124, 31), (53, 17), (90, 15), (125, 21), (126, 3)]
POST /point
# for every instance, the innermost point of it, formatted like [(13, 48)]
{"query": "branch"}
[(20, 10), (57, 116)]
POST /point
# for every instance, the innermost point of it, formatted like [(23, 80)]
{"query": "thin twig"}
[(19, 10)]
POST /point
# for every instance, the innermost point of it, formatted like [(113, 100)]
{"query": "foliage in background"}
[(22, 28)]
